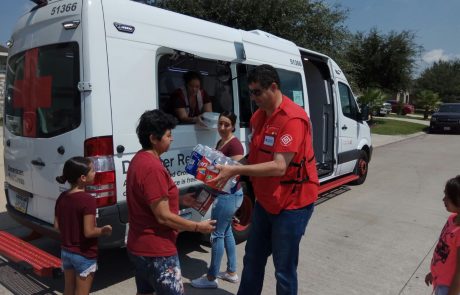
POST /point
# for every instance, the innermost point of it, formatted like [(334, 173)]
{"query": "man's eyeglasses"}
[(255, 92)]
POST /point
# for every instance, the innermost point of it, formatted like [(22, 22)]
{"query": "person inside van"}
[(190, 100)]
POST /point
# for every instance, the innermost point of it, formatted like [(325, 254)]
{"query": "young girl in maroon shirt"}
[(75, 218)]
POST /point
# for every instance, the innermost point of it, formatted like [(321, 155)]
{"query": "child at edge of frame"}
[(75, 219), (445, 264)]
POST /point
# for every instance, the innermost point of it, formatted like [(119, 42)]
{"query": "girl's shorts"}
[(83, 266)]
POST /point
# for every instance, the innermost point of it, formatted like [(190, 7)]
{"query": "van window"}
[(347, 100), (42, 98), (216, 80), (291, 86)]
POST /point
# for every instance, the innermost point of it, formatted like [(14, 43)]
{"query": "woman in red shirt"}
[(153, 207)]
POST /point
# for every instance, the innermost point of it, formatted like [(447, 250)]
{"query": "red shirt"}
[(69, 211), (232, 148), (270, 137), (147, 181), (179, 101), (444, 261)]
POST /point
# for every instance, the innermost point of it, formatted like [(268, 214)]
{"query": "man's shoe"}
[(227, 277), (204, 283)]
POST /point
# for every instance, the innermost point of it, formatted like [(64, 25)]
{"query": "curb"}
[(382, 140)]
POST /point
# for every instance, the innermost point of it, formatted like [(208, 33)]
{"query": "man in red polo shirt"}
[(282, 169)]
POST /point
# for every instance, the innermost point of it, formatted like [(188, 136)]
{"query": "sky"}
[(435, 23)]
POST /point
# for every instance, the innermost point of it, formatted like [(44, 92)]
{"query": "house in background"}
[(3, 57), (403, 96)]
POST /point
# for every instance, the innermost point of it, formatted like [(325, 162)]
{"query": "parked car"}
[(387, 106), (447, 118), (381, 111), (406, 108)]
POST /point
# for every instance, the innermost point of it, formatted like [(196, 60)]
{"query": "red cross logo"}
[(31, 93), (286, 139)]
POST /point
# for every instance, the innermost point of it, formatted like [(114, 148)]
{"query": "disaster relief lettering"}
[(175, 162)]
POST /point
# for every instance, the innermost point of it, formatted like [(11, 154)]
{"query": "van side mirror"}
[(364, 114)]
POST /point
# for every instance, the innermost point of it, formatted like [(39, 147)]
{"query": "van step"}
[(27, 256), (336, 183)]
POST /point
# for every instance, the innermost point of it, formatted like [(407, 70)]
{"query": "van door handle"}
[(344, 127), (38, 163)]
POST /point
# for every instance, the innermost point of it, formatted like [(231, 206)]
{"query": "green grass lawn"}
[(395, 127)]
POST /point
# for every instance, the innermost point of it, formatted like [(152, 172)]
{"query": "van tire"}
[(361, 168), (243, 217)]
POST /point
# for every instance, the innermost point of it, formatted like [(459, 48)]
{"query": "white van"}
[(81, 72)]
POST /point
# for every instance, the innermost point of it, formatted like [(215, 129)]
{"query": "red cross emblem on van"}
[(31, 93)]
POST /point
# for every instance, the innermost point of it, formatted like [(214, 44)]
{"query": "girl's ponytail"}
[(61, 179)]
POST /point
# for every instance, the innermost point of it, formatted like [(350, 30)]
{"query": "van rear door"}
[(43, 123)]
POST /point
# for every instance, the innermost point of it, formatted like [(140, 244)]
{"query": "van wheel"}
[(362, 166), (242, 219)]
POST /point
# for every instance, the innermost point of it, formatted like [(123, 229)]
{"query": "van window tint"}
[(291, 86), (42, 98), (347, 100), (216, 81)]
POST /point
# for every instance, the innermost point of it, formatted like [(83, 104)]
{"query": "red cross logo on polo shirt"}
[(286, 139), (31, 93)]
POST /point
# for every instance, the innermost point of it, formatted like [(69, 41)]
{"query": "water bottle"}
[(195, 157), (232, 184), (212, 171), (206, 159)]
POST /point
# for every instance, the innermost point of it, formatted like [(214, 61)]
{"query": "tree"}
[(443, 77), (374, 99), (310, 24), (383, 61), (428, 100)]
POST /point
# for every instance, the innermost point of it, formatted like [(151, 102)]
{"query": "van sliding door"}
[(320, 102)]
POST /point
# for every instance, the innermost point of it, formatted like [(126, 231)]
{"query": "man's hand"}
[(225, 173)]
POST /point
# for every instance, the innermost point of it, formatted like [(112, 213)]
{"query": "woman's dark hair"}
[(192, 75), (452, 190), (156, 123), (73, 169), (265, 75), (231, 116)]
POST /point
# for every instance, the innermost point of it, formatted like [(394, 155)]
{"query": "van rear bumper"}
[(106, 215)]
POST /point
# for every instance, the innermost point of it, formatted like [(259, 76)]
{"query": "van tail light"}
[(100, 151)]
